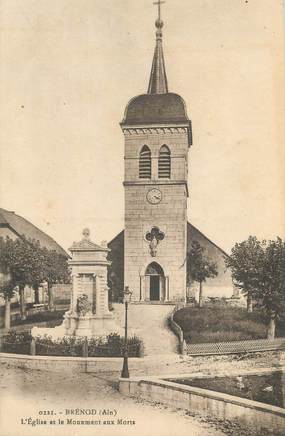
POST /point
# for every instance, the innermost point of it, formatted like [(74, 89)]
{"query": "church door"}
[(154, 288), (155, 282)]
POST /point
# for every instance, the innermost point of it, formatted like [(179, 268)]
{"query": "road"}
[(32, 394)]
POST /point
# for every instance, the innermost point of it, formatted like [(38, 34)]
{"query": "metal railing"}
[(246, 346)]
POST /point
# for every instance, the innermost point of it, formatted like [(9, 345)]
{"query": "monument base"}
[(81, 326), (90, 325)]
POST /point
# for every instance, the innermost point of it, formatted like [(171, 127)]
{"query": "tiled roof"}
[(3, 220), (20, 226), (193, 234), (167, 108)]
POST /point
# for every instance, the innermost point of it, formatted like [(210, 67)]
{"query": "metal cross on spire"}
[(159, 3), (158, 79)]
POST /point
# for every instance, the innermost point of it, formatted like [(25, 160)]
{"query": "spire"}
[(158, 79)]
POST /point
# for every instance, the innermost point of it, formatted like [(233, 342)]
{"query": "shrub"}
[(113, 346), (17, 343), (103, 346), (67, 346), (135, 347)]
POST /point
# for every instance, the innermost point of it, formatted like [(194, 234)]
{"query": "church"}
[(149, 255)]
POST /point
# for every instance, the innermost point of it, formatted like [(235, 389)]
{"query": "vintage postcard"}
[(142, 217)]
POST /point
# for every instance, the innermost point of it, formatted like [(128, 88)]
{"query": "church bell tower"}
[(157, 135)]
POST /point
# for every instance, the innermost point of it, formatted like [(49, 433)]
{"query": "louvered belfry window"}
[(164, 163), (145, 163)]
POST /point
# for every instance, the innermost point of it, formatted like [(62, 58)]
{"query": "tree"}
[(116, 271), (199, 267), (49, 266), (7, 289), (39, 263), (24, 260), (7, 286), (272, 283), (245, 262), (56, 271), (27, 263), (24, 268)]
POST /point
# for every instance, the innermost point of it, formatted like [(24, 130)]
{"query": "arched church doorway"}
[(155, 282)]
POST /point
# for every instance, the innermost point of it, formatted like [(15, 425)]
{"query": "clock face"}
[(154, 196)]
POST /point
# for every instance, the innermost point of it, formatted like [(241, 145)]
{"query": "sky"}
[(68, 69)]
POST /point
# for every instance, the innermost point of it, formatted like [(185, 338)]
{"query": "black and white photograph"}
[(142, 217)]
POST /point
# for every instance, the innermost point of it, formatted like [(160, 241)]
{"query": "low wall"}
[(177, 330), (72, 364), (201, 401)]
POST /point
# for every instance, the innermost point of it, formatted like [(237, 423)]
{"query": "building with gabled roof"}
[(15, 226)]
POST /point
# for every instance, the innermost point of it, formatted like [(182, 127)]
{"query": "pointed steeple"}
[(158, 80)]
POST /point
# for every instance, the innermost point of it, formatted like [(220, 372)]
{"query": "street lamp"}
[(127, 298)]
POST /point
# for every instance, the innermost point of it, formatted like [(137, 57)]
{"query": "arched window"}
[(164, 163), (145, 163)]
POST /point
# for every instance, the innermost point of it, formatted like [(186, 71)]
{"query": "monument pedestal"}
[(90, 325), (89, 314)]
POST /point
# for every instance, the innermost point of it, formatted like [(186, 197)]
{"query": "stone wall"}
[(169, 215), (220, 286), (71, 364), (221, 406), (61, 293), (176, 142), (140, 219)]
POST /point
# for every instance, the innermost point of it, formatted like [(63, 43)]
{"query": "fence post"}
[(33, 347), (85, 347)]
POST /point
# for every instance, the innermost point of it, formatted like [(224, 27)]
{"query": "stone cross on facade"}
[(86, 233), (153, 237)]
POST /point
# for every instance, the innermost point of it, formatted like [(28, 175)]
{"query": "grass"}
[(221, 324)]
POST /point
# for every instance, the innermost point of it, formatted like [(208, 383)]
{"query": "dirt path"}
[(26, 393)]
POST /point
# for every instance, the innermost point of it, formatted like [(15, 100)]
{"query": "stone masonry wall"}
[(170, 215)]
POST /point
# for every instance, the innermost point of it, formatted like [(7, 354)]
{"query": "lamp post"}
[(127, 298)]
